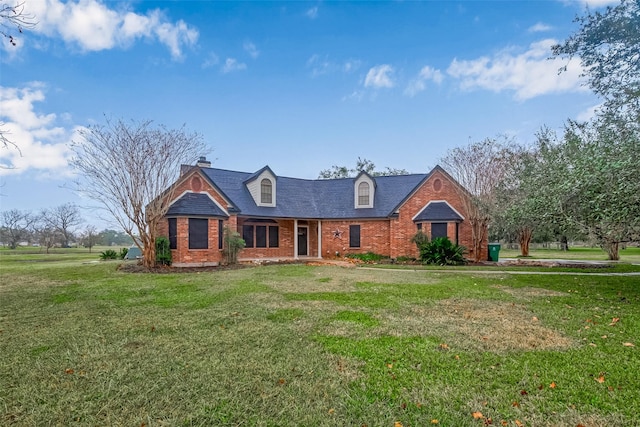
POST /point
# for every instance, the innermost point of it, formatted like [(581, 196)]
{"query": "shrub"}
[(123, 252), (367, 257), (441, 251), (163, 251), (233, 244), (420, 239), (108, 254)]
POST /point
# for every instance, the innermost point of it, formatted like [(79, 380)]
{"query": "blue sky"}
[(298, 86)]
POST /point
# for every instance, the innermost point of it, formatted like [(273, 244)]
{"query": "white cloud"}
[(92, 26), (323, 65), (596, 3), (251, 49), (379, 76), (528, 74), (312, 13), (41, 145), (232, 64), (589, 113), (540, 28), (211, 60), (419, 83)]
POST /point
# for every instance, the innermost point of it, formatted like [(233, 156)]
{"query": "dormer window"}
[(266, 191), (263, 186), (363, 194), (364, 191)]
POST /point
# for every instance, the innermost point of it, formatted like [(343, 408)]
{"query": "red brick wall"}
[(403, 228), (374, 237)]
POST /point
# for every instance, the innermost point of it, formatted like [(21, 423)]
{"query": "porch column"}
[(295, 239), (319, 239)]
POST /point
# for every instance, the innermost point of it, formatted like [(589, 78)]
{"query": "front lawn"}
[(294, 345)]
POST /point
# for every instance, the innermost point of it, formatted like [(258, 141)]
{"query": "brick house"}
[(290, 218)]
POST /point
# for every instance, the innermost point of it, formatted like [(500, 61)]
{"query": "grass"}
[(287, 345)]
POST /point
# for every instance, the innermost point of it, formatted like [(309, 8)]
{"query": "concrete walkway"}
[(518, 262)]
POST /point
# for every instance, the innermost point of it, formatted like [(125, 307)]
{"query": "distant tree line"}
[(60, 226)]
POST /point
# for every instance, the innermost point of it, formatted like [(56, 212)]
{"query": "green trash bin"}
[(494, 252)]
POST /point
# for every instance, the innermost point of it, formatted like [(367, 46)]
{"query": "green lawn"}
[(83, 343)]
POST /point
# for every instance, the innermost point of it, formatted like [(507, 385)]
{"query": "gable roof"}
[(320, 198), (438, 211), (196, 204)]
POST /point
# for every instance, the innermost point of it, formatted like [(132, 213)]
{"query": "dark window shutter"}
[(198, 233), (354, 236), (173, 233), (274, 236), (220, 234)]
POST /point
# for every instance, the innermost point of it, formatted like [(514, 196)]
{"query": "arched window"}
[(266, 191), (363, 194)]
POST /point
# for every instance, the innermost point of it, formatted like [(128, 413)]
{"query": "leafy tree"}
[(129, 169), (362, 165), (607, 44), (602, 190), (113, 237), (516, 216), (15, 225)]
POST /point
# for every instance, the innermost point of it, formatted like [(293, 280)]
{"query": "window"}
[(438, 229), (274, 236), (363, 194), (266, 193), (354, 236), (220, 234), (247, 235), (173, 233), (261, 236), (419, 225), (198, 233)]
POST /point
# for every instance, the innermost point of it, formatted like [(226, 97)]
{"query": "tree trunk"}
[(478, 235), (564, 243), (612, 250), (525, 238)]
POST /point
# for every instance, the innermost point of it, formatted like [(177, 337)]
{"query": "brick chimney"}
[(203, 162)]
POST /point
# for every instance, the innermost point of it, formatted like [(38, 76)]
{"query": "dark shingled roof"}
[(320, 198), (197, 204), (438, 211)]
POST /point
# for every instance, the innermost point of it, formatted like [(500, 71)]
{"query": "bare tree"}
[(90, 237), (44, 233), (478, 168), (129, 169), (15, 226), (65, 219), (13, 18)]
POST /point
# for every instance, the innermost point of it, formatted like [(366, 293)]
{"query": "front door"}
[(303, 250)]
